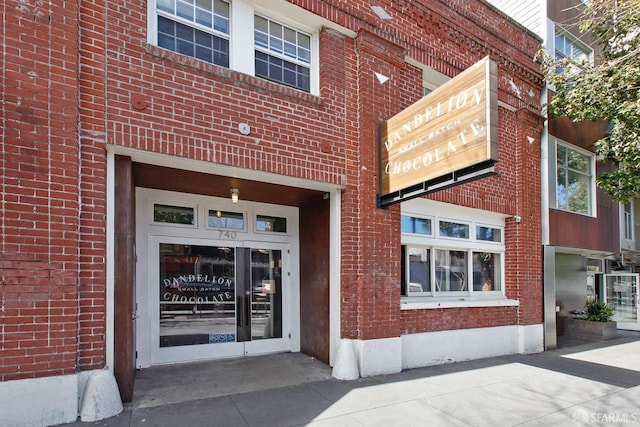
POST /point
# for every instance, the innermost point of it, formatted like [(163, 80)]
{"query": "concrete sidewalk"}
[(579, 384)]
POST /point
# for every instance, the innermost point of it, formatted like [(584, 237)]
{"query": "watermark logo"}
[(583, 417)]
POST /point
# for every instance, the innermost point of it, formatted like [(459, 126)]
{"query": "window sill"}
[(426, 303)]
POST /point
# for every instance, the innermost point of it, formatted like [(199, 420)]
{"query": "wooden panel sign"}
[(451, 129)]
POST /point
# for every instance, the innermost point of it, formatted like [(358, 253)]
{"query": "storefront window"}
[(450, 271), (487, 272), (465, 257), (197, 295)]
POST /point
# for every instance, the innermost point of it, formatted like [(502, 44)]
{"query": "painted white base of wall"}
[(392, 355), (45, 401), (435, 348), (377, 357), (345, 366)]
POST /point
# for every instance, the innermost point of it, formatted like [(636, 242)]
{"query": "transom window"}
[(464, 258), (230, 34), (572, 186), (415, 225)]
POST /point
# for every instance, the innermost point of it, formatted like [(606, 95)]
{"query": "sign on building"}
[(446, 138)]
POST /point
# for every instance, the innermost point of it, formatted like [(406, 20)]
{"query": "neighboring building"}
[(590, 245), (129, 126)]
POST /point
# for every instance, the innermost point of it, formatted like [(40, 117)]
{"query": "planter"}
[(588, 330)]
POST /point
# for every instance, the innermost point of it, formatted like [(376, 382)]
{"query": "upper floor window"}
[(567, 45), (628, 221), (198, 28), (232, 34), (283, 54), (572, 187)]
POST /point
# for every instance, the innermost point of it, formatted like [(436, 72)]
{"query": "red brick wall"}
[(58, 115), (93, 84), (39, 204)]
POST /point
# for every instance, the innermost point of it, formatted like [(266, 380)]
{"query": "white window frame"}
[(425, 217), (167, 202), (245, 219), (241, 34), (553, 176), (442, 211)]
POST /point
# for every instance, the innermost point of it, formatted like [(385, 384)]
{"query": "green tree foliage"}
[(608, 90)]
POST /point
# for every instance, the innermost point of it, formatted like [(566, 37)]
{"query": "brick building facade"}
[(110, 137)]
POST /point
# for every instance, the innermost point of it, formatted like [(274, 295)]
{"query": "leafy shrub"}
[(598, 311)]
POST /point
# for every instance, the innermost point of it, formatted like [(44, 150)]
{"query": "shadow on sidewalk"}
[(293, 389)]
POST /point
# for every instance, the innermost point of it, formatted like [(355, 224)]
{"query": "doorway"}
[(214, 281), (621, 293)]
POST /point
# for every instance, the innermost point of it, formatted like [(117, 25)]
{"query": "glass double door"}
[(621, 293), (216, 300)]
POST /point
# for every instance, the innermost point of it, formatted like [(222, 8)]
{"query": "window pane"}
[(185, 10), (578, 193), (196, 295), (562, 188), (486, 272), (271, 224), (173, 214), (578, 161), (451, 270), (488, 234), (204, 4), (166, 5), (453, 229), (183, 39), (559, 39), (594, 265), (222, 219), (280, 52), (204, 18), (419, 270), (409, 224), (562, 155)]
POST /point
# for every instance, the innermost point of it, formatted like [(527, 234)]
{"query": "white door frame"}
[(150, 234)]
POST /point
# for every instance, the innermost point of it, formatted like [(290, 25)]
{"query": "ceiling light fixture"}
[(234, 195)]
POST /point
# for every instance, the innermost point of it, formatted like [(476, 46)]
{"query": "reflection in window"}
[(486, 271), (419, 270), (173, 214), (628, 221), (228, 220), (488, 234), (574, 177), (271, 224), (410, 224), (196, 295), (450, 270), (453, 229)]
